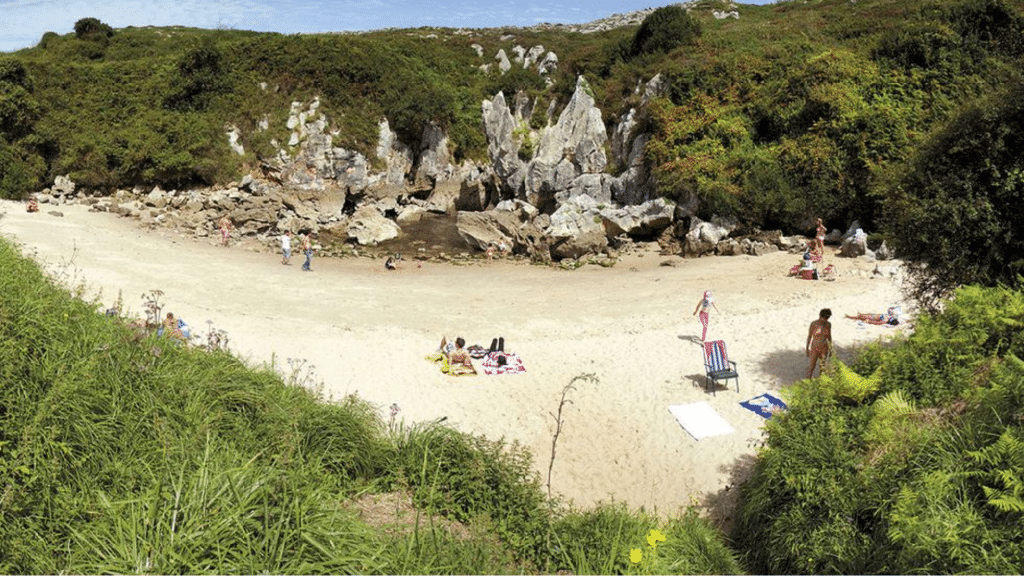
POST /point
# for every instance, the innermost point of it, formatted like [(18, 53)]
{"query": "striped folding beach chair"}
[(717, 366)]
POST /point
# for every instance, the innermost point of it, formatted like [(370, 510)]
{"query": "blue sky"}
[(23, 22)]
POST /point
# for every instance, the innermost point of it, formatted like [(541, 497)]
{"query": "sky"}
[(23, 22)]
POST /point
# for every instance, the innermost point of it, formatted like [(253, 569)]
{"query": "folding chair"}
[(717, 366)]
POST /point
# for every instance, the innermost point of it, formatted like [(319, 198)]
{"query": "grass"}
[(121, 452)]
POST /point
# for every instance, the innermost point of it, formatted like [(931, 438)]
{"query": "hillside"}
[(771, 113)]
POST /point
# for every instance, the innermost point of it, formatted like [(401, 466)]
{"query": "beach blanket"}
[(700, 420), (446, 368), (513, 364), (764, 405)]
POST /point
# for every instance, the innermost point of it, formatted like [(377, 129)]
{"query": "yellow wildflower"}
[(635, 555), (655, 536)]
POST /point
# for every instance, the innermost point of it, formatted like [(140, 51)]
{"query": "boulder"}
[(645, 219), (855, 242), (510, 223), (576, 229), (157, 198), (597, 186), (532, 56), (884, 252), (704, 236), (549, 64), (503, 63), (63, 186), (367, 226)]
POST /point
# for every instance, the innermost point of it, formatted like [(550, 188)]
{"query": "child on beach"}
[(225, 230), (704, 307)]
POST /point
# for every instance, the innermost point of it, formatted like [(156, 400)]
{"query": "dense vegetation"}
[(911, 461), (795, 110), (121, 452)]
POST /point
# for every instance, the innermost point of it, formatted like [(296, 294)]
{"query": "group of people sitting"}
[(459, 359)]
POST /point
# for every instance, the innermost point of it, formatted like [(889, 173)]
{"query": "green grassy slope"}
[(123, 452)]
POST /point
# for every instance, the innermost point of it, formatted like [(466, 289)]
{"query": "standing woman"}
[(819, 238), (704, 307)]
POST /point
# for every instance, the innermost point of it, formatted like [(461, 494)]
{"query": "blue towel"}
[(764, 405)]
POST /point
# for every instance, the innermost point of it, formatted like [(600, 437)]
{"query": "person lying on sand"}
[(890, 318), (459, 361)]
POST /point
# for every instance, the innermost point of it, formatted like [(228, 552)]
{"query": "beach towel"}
[(700, 420), (764, 405), (513, 364), (446, 368), (716, 356)]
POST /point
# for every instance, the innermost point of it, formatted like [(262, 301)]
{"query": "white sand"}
[(367, 331)]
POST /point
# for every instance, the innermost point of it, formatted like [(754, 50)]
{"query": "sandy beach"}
[(366, 331)]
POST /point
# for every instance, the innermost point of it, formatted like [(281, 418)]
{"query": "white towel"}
[(700, 420)]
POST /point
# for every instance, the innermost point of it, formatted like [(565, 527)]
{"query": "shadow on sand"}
[(788, 366), (720, 507)]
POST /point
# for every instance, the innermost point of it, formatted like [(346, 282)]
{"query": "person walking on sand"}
[(307, 249), (225, 230), (704, 307), (819, 342), (819, 238), (286, 248)]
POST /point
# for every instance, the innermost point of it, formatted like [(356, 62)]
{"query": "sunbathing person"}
[(172, 329), (459, 361), (889, 318)]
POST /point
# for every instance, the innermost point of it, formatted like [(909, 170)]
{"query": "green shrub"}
[(664, 30), (953, 219), (915, 469), (464, 477), (92, 29)]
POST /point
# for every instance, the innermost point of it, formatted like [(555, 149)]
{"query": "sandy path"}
[(367, 331)]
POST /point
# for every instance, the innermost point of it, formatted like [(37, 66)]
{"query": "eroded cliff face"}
[(545, 192), (566, 202)]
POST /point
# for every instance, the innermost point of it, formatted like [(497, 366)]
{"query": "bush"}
[(914, 469), (92, 29), (954, 215), (664, 30), (465, 477)]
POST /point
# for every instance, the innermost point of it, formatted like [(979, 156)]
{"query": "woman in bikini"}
[(819, 239), (819, 341), (459, 360)]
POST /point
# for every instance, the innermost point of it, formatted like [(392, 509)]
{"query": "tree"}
[(956, 215), (92, 29), (202, 75), (664, 30)]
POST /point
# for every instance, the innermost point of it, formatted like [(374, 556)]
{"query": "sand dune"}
[(365, 330)]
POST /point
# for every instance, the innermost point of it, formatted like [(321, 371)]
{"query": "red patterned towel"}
[(513, 364)]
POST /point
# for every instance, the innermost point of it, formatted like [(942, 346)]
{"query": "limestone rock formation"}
[(503, 143), (369, 227)]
